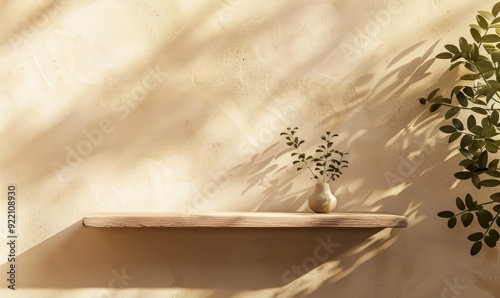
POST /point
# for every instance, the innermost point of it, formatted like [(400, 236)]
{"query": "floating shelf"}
[(244, 220)]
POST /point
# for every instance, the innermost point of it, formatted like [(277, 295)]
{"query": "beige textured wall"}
[(177, 106)]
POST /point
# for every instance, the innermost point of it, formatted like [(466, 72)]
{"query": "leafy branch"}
[(485, 218), (329, 163), (479, 136)]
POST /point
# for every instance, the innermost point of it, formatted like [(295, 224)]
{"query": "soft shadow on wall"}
[(276, 181), (268, 176), (178, 258)]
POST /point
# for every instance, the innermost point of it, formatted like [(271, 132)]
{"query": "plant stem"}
[(483, 139), (307, 165), (482, 76), (492, 222), (469, 210), (464, 108)]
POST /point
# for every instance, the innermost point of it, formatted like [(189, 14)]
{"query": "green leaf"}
[(479, 110), (470, 77), (493, 165), (476, 181), (490, 38), (476, 248), (490, 148), (452, 112), (469, 202), (469, 91), (471, 122), (448, 129), (454, 136), (466, 162), (485, 122), (489, 132), (485, 216), (486, 14), (495, 174), (465, 141), (496, 208), (444, 55), (496, 197), (471, 67), (458, 124), (496, 9), (476, 236), (460, 204), (477, 130), (495, 84), (434, 107), (463, 175), (446, 214), (464, 46), (475, 34), (455, 64), (494, 234), (466, 219), (483, 159), (481, 21), (433, 93), (452, 222), (495, 56), (494, 117), (485, 65), (462, 100), (476, 145), (452, 48), (465, 153), (490, 183), (489, 48), (490, 241)]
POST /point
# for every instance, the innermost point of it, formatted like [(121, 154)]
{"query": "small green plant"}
[(473, 112), (327, 165)]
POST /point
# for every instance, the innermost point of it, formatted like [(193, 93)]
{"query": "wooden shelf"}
[(244, 220)]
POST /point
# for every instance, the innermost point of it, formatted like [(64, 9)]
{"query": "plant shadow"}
[(79, 257)]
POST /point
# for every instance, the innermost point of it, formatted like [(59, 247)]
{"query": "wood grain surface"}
[(244, 220)]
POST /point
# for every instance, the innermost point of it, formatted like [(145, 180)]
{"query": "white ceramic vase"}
[(322, 200)]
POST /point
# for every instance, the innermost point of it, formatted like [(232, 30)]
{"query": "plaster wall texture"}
[(177, 106)]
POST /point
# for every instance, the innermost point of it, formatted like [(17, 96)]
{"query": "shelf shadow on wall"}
[(182, 258)]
